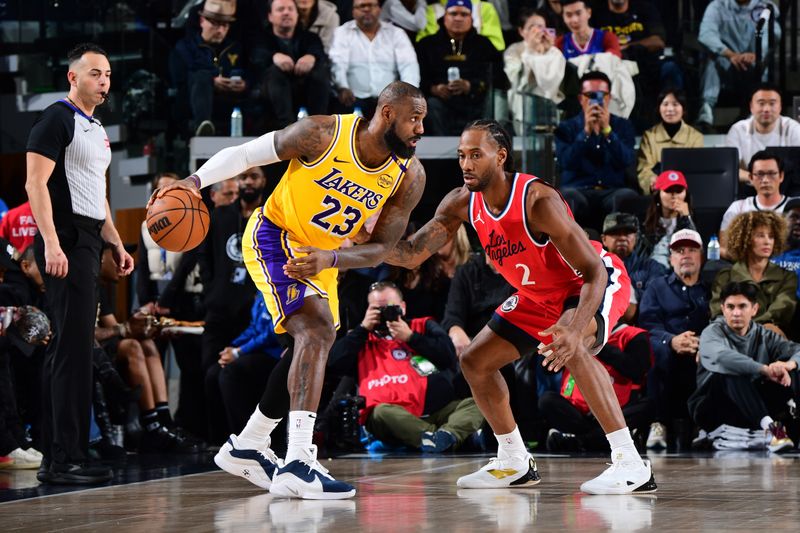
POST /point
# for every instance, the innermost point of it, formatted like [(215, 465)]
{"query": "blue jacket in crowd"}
[(641, 269), (594, 160), (790, 260), (668, 308), (259, 335)]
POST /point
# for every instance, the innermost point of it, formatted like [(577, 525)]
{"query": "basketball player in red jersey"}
[(570, 294)]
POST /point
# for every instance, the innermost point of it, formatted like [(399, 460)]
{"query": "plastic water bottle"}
[(303, 113), (357, 112), (713, 249), (236, 122)]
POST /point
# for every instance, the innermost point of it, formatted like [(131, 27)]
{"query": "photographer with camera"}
[(594, 150), (405, 372)]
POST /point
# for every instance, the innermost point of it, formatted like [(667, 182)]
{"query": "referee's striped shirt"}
[(79, 146)]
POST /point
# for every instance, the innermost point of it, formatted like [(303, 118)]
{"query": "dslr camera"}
[(389, 313)]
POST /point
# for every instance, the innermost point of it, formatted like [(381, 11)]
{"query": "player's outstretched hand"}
[(186, 183), (565, 344), (309, 265)]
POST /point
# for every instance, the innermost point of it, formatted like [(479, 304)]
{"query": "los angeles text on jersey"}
[(336, 181), (498, 247)]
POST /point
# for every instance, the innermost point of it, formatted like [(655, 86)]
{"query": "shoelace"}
[(312, 463)]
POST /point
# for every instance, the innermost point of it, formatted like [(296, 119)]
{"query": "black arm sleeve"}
[(343, 357), (634, 362), (435, 346)]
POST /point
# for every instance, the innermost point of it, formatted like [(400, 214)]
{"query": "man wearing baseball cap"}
[(457, 68), (620, 235), (674, 309), (208, 70)]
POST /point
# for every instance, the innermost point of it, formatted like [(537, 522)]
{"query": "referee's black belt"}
[(89, 223)]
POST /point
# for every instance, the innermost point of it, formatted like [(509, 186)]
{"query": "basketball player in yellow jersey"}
[(342, 171)]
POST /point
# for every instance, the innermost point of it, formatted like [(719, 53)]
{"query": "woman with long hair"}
[(671, 132), (670, 210), (753, 239)]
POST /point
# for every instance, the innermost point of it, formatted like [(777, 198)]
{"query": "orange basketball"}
[(178, 221)]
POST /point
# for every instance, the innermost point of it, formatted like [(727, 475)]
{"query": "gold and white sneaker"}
[(501, 474)]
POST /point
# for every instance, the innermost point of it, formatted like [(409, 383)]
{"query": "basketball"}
[(178, 221)]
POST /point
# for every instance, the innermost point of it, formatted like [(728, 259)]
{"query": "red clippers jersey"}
[(535, 268)]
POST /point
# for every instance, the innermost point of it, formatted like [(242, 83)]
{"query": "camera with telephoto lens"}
[(388, 313)]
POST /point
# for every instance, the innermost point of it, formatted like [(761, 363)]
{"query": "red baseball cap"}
[(670, 178)]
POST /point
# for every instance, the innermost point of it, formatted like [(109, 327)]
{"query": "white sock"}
[(511, 446), (301, 433), (257, 430), (622, 448), (765, 422)]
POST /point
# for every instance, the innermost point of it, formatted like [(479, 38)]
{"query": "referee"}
[(67, 156)]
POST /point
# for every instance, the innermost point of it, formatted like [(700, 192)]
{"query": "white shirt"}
[(366, 67), (743, 136), (746, 205)]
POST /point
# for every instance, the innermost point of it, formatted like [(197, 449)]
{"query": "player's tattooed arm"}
[(306, 139), (548, 214), (388, 230), (452, 211), (392, 221)]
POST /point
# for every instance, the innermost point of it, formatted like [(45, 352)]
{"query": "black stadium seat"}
[(713, 178)]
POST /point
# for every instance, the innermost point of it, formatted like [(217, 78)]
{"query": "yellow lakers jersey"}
[(322, 202)]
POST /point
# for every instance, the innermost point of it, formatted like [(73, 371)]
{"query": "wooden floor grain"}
[(743, 492)]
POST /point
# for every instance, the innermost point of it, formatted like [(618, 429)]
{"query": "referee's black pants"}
[(71, 305)]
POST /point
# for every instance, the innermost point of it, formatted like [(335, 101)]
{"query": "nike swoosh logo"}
[(500, 474), (337, 160)]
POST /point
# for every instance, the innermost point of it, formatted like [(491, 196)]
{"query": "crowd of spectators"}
[(471, 58), (704, 345)]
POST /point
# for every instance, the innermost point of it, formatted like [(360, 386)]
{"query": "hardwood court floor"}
[(744, 492)]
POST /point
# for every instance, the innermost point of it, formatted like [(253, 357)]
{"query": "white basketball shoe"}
[(501, 474), (307, 479), (256, 466), (630, 477)]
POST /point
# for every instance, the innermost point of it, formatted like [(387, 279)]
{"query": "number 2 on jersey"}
[(334, 206), (526, 274)]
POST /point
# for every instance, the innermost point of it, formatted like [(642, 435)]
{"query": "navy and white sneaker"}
[(256, 466), (307, 479)]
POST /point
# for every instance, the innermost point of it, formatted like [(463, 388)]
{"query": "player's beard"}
[(250, 195), (483, 182), (396, 144)]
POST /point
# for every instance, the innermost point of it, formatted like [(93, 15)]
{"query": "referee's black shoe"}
[(43, 475), (164, 440), (78, 474)]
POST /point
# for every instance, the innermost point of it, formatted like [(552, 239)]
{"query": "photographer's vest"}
[(623, 386), (385, 374)]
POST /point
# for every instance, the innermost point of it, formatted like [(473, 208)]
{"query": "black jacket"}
[(482, 65), (475, 292), (302, 42), (228, 289)]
